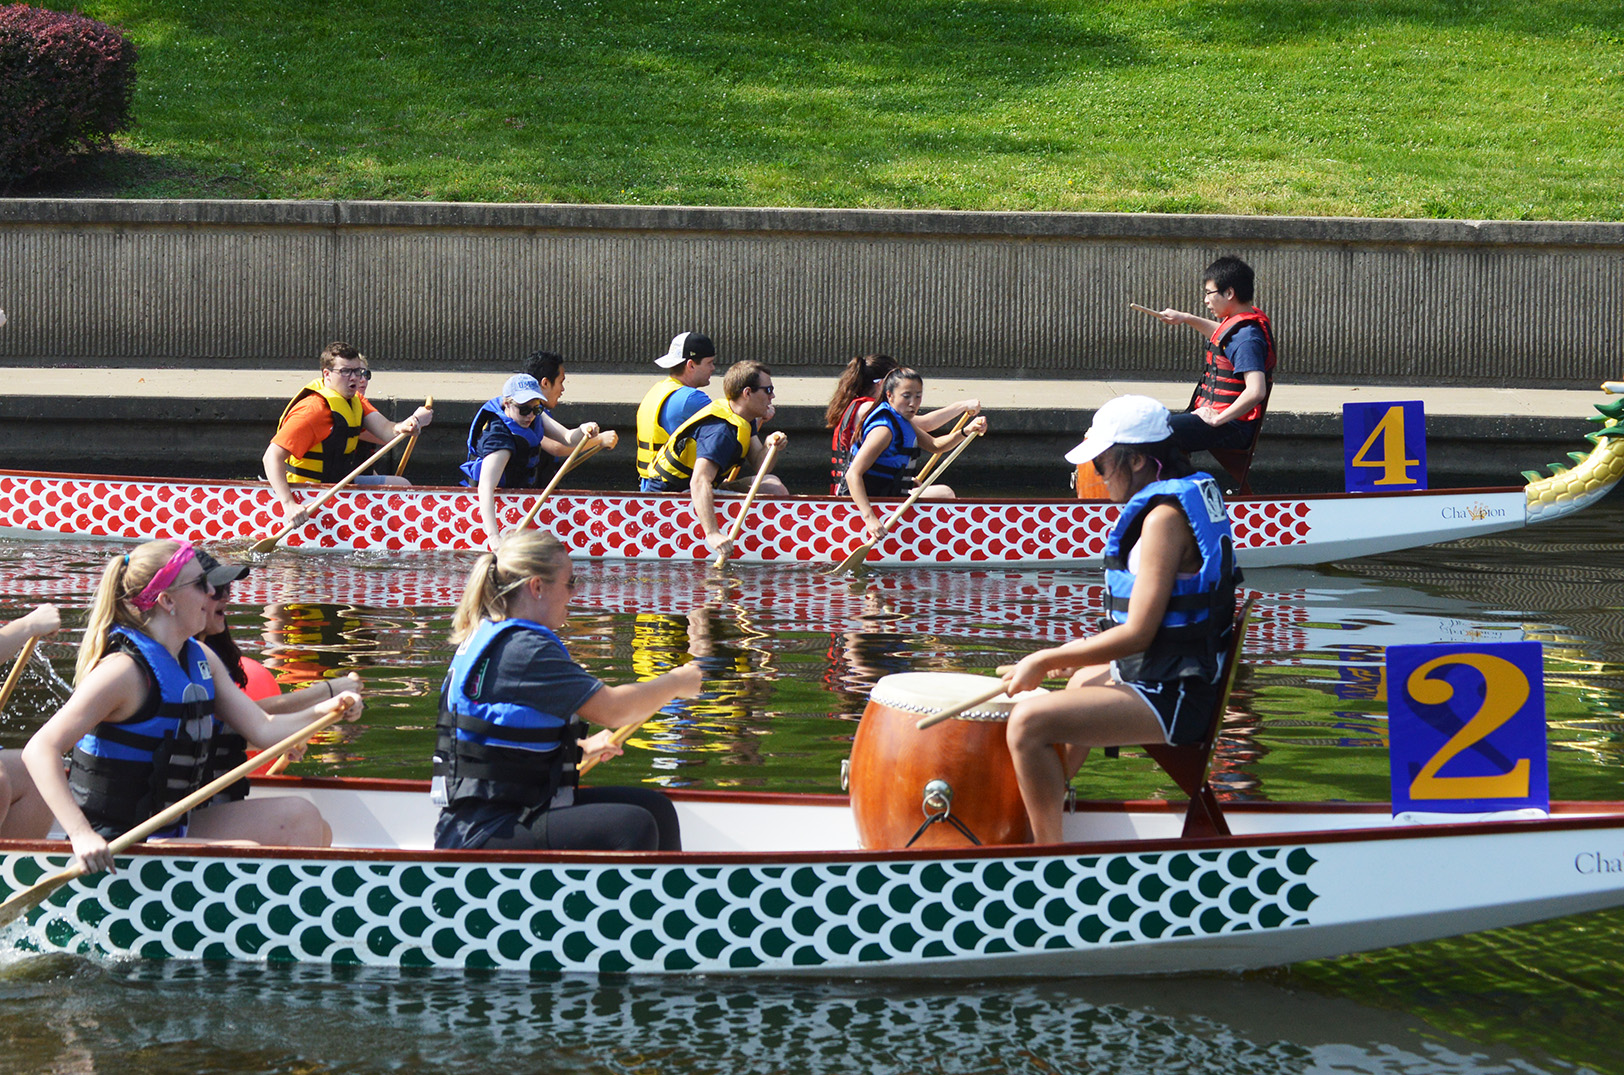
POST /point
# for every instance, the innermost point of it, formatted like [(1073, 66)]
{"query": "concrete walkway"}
[(582, 390)]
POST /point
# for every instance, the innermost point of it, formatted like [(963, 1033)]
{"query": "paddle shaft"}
[(569, 463), (23, 657), (406, 454), (267, 544), (936, 457), (749, 498), (1144, 310), (952, 711), (861, 552), (20, 902)]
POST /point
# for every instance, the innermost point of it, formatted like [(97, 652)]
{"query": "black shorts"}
[(1183, 707)]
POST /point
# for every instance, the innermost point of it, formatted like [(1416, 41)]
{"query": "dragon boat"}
[(778, 884), (1269, 530)]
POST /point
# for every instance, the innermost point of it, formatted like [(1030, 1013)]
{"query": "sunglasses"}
[(353, 371), (528, 410), (767, 388), (201, 582)]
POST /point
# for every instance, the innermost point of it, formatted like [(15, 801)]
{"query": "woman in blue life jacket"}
[(856, 394), (889, 441), (1151, 675), (139, 723), (510, 737), (513, 439)]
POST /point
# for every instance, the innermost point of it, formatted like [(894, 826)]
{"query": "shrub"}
[(66, 83)]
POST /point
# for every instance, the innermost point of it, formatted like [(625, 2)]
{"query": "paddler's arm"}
[(616, 707), (1204, 325), (244, 716), (878, 439), (569, 438), (949, 441), (938, 418), (381, 430), (276, 475), (1162, 544), (491, 469), (44, 620), (317, 692), (702, 494)]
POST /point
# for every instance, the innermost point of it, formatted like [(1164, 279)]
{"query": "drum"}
[(893, 763)]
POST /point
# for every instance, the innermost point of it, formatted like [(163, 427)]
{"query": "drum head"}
[(932, 692)]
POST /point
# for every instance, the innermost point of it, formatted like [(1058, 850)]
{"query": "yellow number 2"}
[(1506, 689), (1395, 468)]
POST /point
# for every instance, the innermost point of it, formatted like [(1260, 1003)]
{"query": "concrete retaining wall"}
[(426, 286)]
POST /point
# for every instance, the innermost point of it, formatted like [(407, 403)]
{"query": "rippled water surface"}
[(789, 658)]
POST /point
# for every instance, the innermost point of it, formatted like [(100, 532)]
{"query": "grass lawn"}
[(1491, 109)]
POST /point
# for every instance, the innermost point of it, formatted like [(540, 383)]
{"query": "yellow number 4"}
[(1394, 465)]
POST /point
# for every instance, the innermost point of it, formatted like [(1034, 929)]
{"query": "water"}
[(789, 656)]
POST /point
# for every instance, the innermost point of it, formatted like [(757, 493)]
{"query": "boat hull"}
[(1269, 531), (1291, 885)]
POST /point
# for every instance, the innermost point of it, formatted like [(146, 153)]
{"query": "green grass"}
[(1491, 109)]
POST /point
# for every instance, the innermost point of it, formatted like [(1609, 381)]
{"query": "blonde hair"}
[(522, 554), (122, 579)]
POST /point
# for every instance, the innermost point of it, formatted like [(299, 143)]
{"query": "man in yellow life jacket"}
[(715, 447), (319, 436), (689, 364)]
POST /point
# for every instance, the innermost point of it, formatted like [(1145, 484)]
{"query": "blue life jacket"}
[(889, 474), (499, 751), (1201, 610), (519, 473), (123, 773)]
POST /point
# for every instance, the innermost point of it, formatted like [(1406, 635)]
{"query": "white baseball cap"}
[(686, 347), (522, 388), (1123, 420)]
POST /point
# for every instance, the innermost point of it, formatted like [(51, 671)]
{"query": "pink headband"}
[(164, 579)]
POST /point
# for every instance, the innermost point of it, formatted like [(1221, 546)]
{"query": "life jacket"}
[(1201, 609), (1220, 385), (334, 457), (845, 432), (123, 773), (651, 435), (889, 473), (674, 463), (518, 472), (503, 752)]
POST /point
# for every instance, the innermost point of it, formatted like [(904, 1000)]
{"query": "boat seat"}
[(1237, 462), (1188, 765)]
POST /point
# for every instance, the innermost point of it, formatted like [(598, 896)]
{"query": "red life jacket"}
[(840, 443), (1220, 386)]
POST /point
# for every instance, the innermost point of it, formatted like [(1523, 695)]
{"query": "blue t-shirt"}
[(1247, 350), (680, 406)]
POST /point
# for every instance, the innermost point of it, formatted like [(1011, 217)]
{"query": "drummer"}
[(1153, 674), (889, 441)]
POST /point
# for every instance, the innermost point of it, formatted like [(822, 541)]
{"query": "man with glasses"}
[(1238, 367), (319, 436), (714, 446)]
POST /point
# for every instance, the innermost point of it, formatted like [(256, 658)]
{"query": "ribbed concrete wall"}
[(438, 286)]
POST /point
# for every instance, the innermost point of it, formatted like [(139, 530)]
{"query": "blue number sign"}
[(1466, 724), (1384, 446)]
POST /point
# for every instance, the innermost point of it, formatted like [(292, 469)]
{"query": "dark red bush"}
[(66, 83)]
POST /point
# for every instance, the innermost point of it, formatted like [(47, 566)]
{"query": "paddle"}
[(859, 554), (936, 457), (406, 454), (618, 738), (269, 543), (954, 710), (749, 498), (16, 672), (21, 902), (569, 463), (1144, 310)]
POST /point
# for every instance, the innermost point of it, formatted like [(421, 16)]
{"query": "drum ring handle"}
[(937, 805)]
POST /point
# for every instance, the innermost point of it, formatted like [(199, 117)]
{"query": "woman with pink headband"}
[(141, 718)]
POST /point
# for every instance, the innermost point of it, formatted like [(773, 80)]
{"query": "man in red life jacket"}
[(1238, 367)]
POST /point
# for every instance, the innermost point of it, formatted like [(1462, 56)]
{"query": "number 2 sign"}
[(1384, 446), (1466, 727)]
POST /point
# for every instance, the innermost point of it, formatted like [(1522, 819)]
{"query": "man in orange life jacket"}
[(319, 436), (1238, 369)]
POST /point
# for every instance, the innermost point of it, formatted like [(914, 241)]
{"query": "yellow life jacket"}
[(674, 462), (330, 459), (651, 436)]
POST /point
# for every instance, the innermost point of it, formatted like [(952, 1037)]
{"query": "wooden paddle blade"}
[(267, 544), (855, 557), (20, 903)]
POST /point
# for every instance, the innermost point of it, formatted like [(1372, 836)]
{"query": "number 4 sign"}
[(1384, 446), (1466, 727)]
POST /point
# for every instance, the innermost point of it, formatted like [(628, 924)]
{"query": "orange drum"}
[(893, 764), (1089, 484)]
